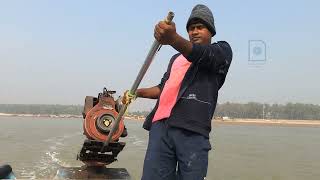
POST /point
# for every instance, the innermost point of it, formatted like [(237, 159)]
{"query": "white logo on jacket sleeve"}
[(194, 97)]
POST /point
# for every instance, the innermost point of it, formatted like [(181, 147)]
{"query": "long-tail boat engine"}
[(99, 115)]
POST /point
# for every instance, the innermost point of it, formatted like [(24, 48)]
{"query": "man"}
[(180, 122)]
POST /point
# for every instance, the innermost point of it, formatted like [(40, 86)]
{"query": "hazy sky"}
[(57, 52)]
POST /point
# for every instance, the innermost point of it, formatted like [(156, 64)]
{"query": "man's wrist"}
[(138, 93), (175, 39), (181, 45)]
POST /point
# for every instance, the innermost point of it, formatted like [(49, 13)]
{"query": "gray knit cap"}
[(204, 14)]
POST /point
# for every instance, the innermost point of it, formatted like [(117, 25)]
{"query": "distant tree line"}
[(41, 109), (250, 110), (139, 113)]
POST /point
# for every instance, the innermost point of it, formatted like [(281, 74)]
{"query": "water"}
[(37, 147)]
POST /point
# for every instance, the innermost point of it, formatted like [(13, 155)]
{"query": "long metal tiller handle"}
[(152, 52)]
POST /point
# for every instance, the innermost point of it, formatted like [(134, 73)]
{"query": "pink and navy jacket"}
[(192, 103)]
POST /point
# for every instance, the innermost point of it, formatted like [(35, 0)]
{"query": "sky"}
[(58, 52)]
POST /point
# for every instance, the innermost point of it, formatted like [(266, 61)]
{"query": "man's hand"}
[(128, 97), (165, 33)]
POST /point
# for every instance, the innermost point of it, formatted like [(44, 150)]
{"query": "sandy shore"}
[(41, 115), (270, 122)]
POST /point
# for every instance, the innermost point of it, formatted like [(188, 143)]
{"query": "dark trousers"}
[(175, 154)]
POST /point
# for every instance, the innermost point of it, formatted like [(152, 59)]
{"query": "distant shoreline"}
[(41, 115), (266, 122), (236, 121), (276, 122)]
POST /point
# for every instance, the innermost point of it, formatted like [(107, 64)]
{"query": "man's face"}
[(199, 34)]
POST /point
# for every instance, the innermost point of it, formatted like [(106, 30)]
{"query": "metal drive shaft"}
[(152, 52)]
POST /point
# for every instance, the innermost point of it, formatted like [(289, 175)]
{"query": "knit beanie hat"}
[(205, 16)]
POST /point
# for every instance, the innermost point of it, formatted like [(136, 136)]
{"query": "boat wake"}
[(50, 160)]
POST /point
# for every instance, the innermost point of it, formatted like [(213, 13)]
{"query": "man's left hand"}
[(127, 97)]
